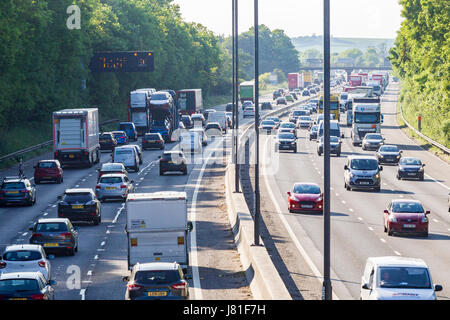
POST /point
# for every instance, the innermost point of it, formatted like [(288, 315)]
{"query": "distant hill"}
[(340, 44)]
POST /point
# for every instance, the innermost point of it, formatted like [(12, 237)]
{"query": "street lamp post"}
[(326, 159), (236, 92), (257, 192)]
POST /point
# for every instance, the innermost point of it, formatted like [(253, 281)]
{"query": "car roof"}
[(16, 247), (407, 200), (362, 157), (49, 160), (113, 175), (118, 131), (397, 261), (389, 145), (172, 152), (21, 275), (156, 266), (79, 190), (112, 164), (53, 220)]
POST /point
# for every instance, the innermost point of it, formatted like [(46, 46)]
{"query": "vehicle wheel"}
[(185, 172), (71, 252), (389, 232), (339, 154), (136, 169), (421, 178), (348, 187), (37, 181), (295, 150), (398, 177), (425, 234), (377, 189), (319, 154), (384, 227), (97, 221), (76, 248), (59, 181), (161, 173)]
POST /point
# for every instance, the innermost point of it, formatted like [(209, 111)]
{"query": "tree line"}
[(45, 64), (421, 58)]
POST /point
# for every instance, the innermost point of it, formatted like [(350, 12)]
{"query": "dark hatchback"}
[(187, 121), (409, 167), (17, 190), (25, 286), (172, 161), (389, 154), (313, 132), (107, 141), (157, 281), (152, 141), (266, 106), (80, 205), (55, 235)]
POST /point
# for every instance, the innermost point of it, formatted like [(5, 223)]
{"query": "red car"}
[(305, 197), (48, 170), (406, 216)]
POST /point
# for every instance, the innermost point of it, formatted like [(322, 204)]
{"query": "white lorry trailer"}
[(76, 136), (157, 228)]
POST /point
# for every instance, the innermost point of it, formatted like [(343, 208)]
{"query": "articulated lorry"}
[(157, 228), (247, 91), (366, 116), (190, 101), (76, 136)]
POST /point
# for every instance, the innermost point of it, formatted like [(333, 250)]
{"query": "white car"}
[(397, 278), (249, 112), (25, 258), (304, 122)]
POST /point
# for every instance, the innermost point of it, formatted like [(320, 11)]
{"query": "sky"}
[(349, 18)]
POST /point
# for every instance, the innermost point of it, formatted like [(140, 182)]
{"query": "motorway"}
[(96, 270), (356, 216)]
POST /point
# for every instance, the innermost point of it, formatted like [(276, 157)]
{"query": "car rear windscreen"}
[(47, 165), (157, 277), (18, 285), (51, 227), (111, 180), (22, 255), (77, 197)]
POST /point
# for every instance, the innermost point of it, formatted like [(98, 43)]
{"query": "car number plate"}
[(170, 162), (388, 159), (411, 174), (409, 226), (76, 206), (51, 244), (110, 188), (13, 192), (157, 293), (103, 141), (308, 206), (364, 182), (17, 298)]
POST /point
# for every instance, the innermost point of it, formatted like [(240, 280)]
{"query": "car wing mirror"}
[(288, 193), (187, 277), (51, 282), (380, 168), (366, 286), (427, 212), (423, 165), (386, 211), (438, 287), (345, 167), (51, 256), (126, 279)]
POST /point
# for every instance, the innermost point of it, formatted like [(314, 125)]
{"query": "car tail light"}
[(98, 187), (40, 296), (86, 153), (66, 235), (41, 263), (123, 186), (122, 137), (37, 235), (2, 191), (2, 264), (179, 286), (24, 191), (133, 286)]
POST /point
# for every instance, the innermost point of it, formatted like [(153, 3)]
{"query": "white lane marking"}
[(83, 180), (435, 220), (24, 234), (96, 257), (53, 205), (193, 239), (370, 228), (77, 186), (103, 243), (360, 219), (397, 253), (343, 201), (118, 213), (83, 294), (45, 213), (443, 185), (350, 209), (89, 273), (108, 232), (382, 240)]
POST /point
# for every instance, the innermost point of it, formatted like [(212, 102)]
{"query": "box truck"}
[(157, 228), (190, 101), (76, 136)]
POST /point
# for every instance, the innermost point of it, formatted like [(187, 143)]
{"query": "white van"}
[(221, 118), (128, 156), (397, 278), (335, 129)]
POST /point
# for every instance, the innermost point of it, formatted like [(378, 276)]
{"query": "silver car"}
[(25, 258), (113, 186), (202, 133)]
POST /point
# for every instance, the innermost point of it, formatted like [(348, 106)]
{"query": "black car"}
[(107, 141), (55, 235), (305, 93), (25, 286), (229, 107), (266, 106), (276, 94), (156, 281), (172, 161), (80, 205), (389, 154), (313, 132), (152, 140), (188, 123), (410, 167), (286, 141), (17, 190), (335, 145)]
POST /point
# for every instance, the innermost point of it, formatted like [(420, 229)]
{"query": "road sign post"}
[(236, 92), (326, 159), (257, 192)]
